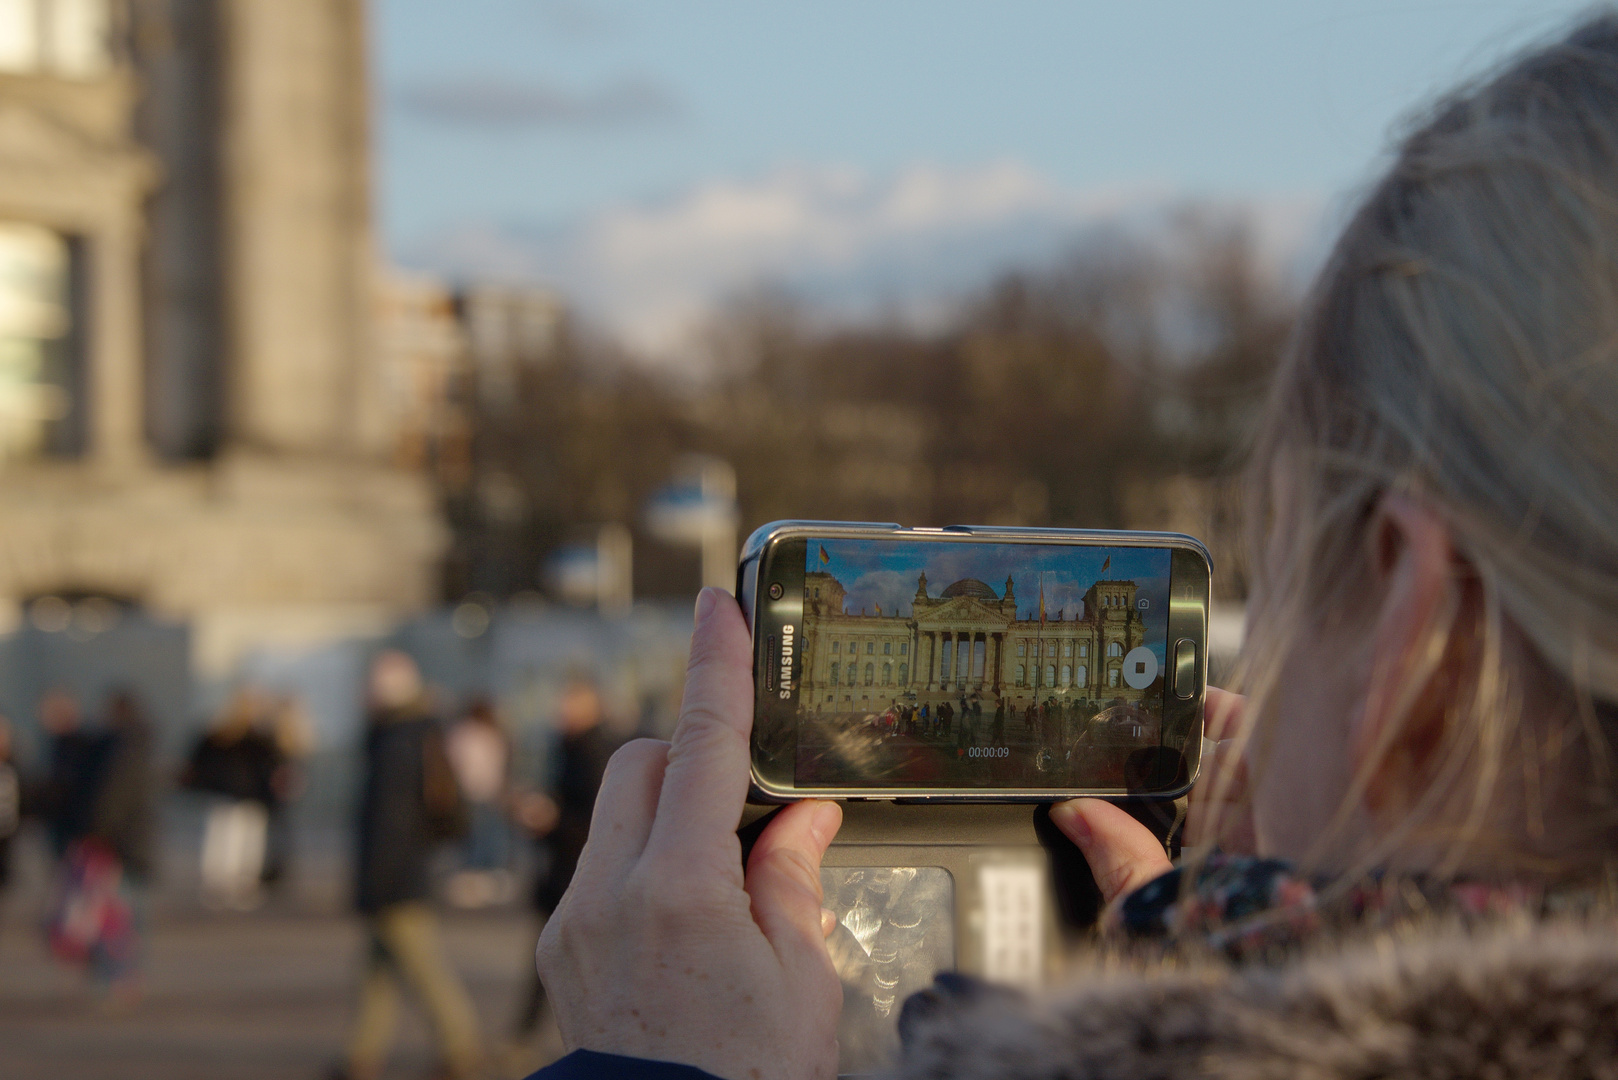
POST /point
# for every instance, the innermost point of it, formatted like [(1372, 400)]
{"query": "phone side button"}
[(1185, 669)]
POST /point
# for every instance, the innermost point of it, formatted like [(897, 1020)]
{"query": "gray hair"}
[(1461, 345)]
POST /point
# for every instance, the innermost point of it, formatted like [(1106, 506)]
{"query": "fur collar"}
[(1516, 999)]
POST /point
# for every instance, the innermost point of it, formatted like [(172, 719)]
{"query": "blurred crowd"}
[(431, 778)]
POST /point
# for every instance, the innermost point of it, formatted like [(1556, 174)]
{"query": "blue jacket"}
[(589, 1065)]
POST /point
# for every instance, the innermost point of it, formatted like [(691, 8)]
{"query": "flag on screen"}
[(824, 558), (1105, 563), (1042, 598)]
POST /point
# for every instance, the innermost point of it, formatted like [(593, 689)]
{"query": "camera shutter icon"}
[(1140, 668)]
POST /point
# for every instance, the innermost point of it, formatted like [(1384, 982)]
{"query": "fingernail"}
[(706, 599), (1071, 822)]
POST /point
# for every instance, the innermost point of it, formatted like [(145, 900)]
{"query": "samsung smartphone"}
[(974, 663)]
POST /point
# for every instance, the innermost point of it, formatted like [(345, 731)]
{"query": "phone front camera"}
[(775, 590)]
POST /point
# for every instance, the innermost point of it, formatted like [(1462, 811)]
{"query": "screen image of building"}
[(967, 641)]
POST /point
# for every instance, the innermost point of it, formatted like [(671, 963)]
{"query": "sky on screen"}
[(882, 574)]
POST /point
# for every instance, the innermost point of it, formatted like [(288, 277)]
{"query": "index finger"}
[(705, 784)]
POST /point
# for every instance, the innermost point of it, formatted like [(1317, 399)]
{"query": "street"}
[(232, 996)]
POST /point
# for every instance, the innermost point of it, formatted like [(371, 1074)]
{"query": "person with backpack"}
[(408, 805)]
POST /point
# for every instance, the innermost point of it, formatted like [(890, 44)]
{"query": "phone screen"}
[(921, 664)]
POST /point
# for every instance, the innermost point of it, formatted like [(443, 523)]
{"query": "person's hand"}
[(1124, 854), (661, 947)]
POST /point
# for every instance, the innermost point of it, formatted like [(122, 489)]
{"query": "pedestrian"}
[(480, 752), (98, 918), (236, 762), (999, 728), (408, 805), (560, 819), (294, 740), (74, 758), (10, 803)]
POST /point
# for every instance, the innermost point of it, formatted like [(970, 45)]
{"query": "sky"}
[(650, 161), (884, 573)]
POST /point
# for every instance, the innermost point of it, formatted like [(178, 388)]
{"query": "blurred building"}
[(197, 415), (513, 337), (509, 330), (425, 366)]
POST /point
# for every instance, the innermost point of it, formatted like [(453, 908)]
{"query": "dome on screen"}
[(972, 587)]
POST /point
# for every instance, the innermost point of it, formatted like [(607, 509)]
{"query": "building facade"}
[(968, 641), (194, 416)]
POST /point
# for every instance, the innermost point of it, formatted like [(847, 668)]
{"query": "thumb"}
[(1122, 853), (783, 878)]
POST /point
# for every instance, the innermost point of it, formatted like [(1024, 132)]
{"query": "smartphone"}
[(974, 663)]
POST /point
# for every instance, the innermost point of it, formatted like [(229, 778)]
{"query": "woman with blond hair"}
[(1424, 765)]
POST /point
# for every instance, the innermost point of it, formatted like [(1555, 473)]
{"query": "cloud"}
[(847, 242), (496, 102), (579, 21)]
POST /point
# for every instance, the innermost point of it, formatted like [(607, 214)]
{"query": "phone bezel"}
[(773, 742)]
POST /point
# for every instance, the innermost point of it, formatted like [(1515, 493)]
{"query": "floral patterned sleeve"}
[(1235, 903)]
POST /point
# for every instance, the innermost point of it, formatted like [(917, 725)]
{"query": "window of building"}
[(41, 369), (887, 674), (1067, 675), (1112, 677), (870, 674), (1114, 649), (904, 674), (71, 38), (817, 592), (870, 648), (1050, 650), (1022, 674), (1081, 676), (1050, 674), (837, 646), (1022, 648), (1084, 650), (836, 669), (904, 648), (887, 648)]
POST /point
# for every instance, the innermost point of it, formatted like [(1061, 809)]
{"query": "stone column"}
[(113, 368), (999, 658)]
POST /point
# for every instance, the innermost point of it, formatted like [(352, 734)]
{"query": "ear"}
[(1416, 580)]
